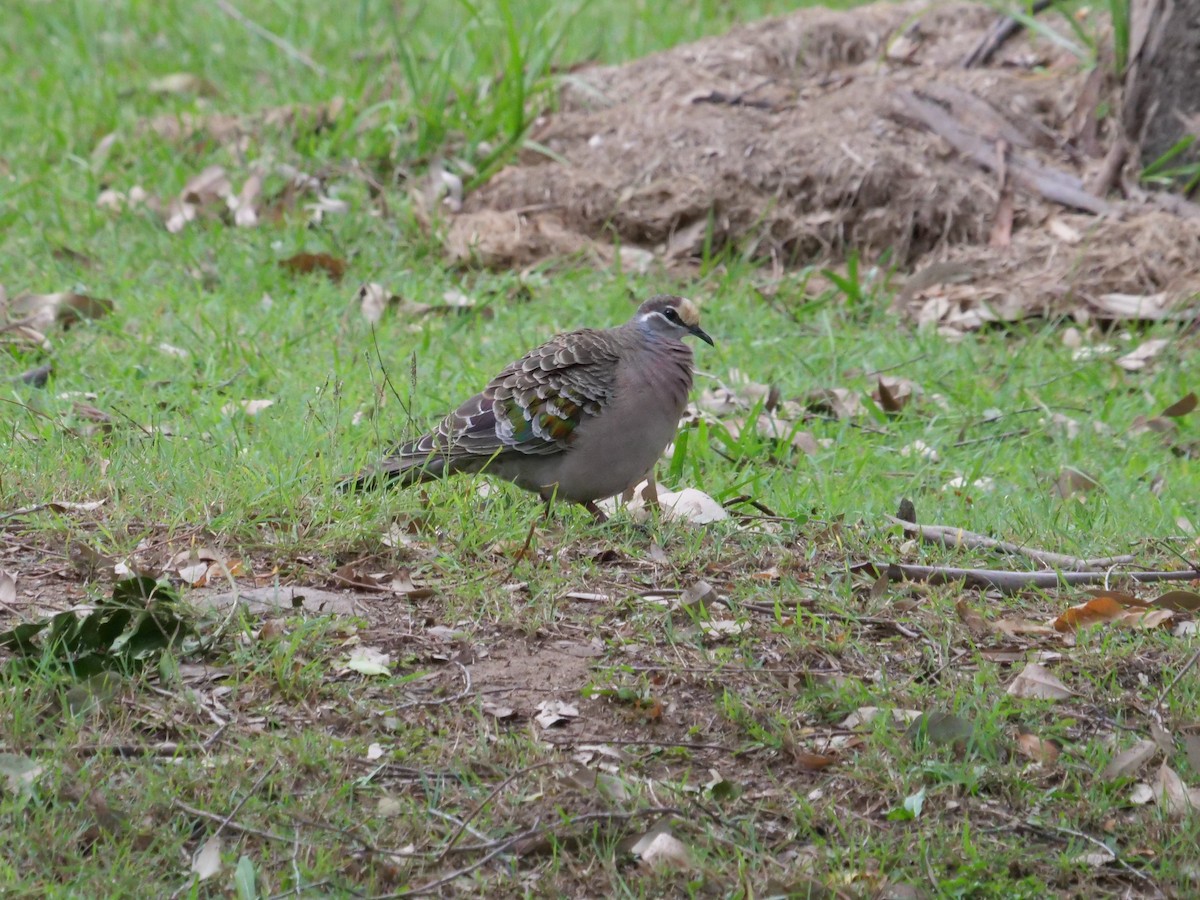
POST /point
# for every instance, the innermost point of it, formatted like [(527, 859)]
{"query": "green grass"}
[(279, 738)]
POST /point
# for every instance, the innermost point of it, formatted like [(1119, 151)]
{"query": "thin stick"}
[(537, 831), (234, 826), (492, 794), (952, 537), (996, 36), (270, 37), (1174, 681), (1010, 582), (466, 689)]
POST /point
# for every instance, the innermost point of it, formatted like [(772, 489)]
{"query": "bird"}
[(583, 417)]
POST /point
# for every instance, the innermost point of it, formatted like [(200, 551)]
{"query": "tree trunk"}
[(1162, 84)]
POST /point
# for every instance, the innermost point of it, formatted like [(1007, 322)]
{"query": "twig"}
[(1187, 666), (996, 36), (648, 742), (970, 442), (270, 37), (250, 793), (949, 536), (1011, 582), (234, 826), (501, 846), (1116, 857), (442, 700), (492, 794)]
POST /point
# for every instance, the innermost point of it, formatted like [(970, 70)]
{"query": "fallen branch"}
[(1053, 185), (1011, 582), (949, 536)]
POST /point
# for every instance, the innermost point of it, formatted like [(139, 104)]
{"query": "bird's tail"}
[(406, 465)]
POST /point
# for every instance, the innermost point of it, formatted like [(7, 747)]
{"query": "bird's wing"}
[(536, 404)]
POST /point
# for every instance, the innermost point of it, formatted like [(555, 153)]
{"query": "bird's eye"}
[(671, 315)]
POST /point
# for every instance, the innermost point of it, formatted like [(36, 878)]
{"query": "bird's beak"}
[(702, 334)]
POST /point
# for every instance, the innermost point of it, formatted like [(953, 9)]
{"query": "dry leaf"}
[(1180, 601), (1108, 608), (1140, 358), (181, 83), (1128, 761), (893, 394), (1180, 407), (245, 215), (555, 712), (976, 624), (666, 851), (1015, 627), (1072, 481), (1040, 750), (864, 715), (249, 407), (41, 312), (1035, 682), (1176, 797), (373, 300), (840, 402), (306, 263), (207, 861)]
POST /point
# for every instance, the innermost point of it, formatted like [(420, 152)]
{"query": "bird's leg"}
[(597, 513), (525, 548), (650, 491)]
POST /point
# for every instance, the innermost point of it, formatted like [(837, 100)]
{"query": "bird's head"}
[(672, 317)]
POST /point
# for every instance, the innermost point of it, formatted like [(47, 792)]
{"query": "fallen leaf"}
[(1141, 794), (1016, 627), (207, 861), (1180, 601), (893, 394), (20, 772), (864, 715), (808, 761), (692, 506), (1140, 358), (1040, 750), (249, 407), (555, 712), (1174, 795), (1035, 682), (210, 188), (373, 300), (1191, 745), (1108, 608), (41, 312), (181, 83), (8, 587), (369, 661), (245, 214), (662, 850), (840, 402), (719, 629), (1180, 407), (1128, 761), (306, 263), (976, 624), (1072, 481)]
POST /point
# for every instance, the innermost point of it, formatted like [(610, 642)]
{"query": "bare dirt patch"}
[(803, 138)]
